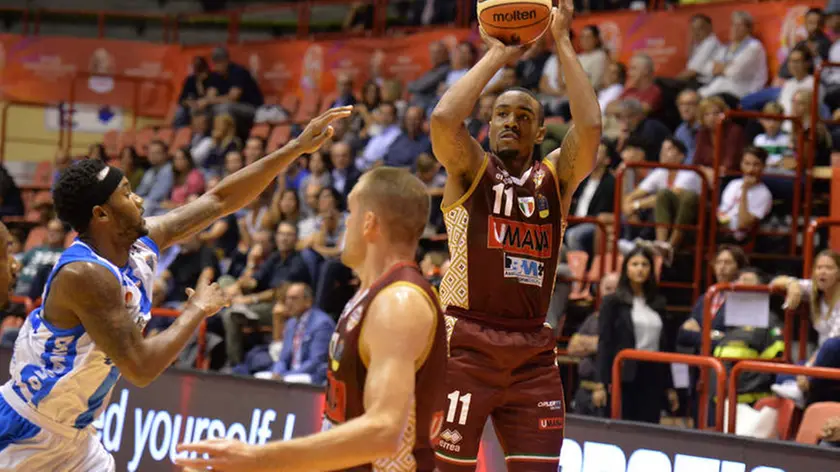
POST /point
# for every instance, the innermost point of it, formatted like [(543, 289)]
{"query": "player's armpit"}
[(575, 159), (101, 310), (396, 338)]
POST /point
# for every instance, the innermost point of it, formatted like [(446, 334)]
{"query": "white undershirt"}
[(647, 325), (585, 199)]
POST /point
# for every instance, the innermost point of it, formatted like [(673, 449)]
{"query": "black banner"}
[(142, 426)]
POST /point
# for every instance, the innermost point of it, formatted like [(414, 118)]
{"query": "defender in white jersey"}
[(97, 300)]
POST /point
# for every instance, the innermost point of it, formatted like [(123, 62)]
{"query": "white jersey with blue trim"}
[(60, 373)]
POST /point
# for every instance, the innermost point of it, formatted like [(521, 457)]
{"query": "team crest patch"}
[(526, 206), (539, 175), (542, 205), (353, 319)]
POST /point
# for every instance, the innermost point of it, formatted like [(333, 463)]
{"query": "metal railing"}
[(673, 358), (768, 368), (808, 245), (699, 229)]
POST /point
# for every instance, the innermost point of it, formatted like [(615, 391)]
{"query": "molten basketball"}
[(514, 22)]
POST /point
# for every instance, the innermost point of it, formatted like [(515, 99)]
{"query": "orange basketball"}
[(514, 21)]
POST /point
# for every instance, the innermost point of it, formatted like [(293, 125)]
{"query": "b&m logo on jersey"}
[(514, 237), (525, 271)]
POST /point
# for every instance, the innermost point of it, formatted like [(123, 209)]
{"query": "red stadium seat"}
[(111, 142), (308, 108), (143, 138), (182, 138), (580, 285), (279, 137), (788, 415), (127, 138), (260, 130), (813, 420)]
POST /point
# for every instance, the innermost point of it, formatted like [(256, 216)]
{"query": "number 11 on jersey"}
[(454, 398), (500, 190)]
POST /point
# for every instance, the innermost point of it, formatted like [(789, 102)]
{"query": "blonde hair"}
[(707, 103), (399, 199), (773, 107), (816, 294)]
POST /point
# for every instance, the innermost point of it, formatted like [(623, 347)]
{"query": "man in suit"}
[(594, 197), (344, 173), (306, 339)]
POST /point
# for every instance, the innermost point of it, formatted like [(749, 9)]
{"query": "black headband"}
[(108, 180)]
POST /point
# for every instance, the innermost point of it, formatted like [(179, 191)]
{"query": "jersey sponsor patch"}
[(353, 319), (526, 206), (525, 271), (539, 175), (542, 205), (335, 404), (555, 422), (515, 237)]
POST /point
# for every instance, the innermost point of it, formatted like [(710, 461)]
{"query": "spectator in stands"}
[(38, 259), (285, 207), (593, 198), (233, 163), (800, 64), (132, 165), (363, 122), (613, 86), (377, 148), (727, 264), (686, 132), (344, 173), (254, 149), (424, 89), (675, 195), (188, 182), (432, 12), (345, 92), (817, 42), (252, 219), (255, 289), (320, 173), (11, 203), (306, 339), (427, 169), (158, 180), (463, 59), (411, 142), (392, 92), (237, 93), (224, 140), (740, 67), (746, 201), (592, 55), (709, 112), (97, 151), (478, 125), (200, 140), (823, 293), (584, 345), (309, 202), (703, 51), (641, 84), (530, 67), (801, 108), (634, 123), (503, 79), (63, 161), (329, 201), (194, 92), (634, 317), (43, 211), (781, 159)]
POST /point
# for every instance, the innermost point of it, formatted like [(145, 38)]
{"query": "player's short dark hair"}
[(71, 190), (677, 144), (759, 153), (530, 93)]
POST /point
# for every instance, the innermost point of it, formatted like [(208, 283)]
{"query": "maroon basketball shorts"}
[(511, 377)]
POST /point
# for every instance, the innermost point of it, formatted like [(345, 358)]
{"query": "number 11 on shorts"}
[(454, 398)]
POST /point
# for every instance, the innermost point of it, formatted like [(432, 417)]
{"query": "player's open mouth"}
[(509, 135)]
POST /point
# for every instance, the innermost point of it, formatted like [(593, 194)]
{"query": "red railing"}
[(602, 247), (699, 229), (138, 84), (200, 361), (716, 175), (808, 246), (4, 135), (768, 368), (812, 137), (673, 358)]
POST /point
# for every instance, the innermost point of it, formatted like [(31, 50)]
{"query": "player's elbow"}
[(386, 436), (444, 117), (137, 377)]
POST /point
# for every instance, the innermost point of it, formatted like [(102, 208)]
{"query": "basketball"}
[(514, 22)]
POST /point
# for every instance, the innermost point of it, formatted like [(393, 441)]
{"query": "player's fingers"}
[(335, 114), (190, 292), (210, 446), (197, 464)]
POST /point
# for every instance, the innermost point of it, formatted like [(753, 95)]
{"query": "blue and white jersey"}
[(60, 375)]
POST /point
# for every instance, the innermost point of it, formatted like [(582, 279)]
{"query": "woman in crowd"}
[(634, 317), (593, 58), (710, 111), (823, 292), (285, 207), (224, 141), (320, 172), (132, 165), (189, 181)]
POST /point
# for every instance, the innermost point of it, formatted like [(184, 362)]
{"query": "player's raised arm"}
[(101, 309), (237, 190), (397, 333), (452, 144), (577, 155)]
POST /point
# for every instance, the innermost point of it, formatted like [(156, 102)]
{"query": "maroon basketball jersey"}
[(504, 239), (348, 369)]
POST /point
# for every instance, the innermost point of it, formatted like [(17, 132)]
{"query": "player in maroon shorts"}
[(505, 213)]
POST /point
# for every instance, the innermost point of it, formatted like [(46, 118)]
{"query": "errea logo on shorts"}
[(525, 271)]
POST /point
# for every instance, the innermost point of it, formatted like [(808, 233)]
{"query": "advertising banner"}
[(141, 428), (41, 69)]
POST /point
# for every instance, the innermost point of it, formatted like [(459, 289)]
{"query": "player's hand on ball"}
[(510, 52), (208, 298), (319, 129), (225, 456), (561, 19)]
